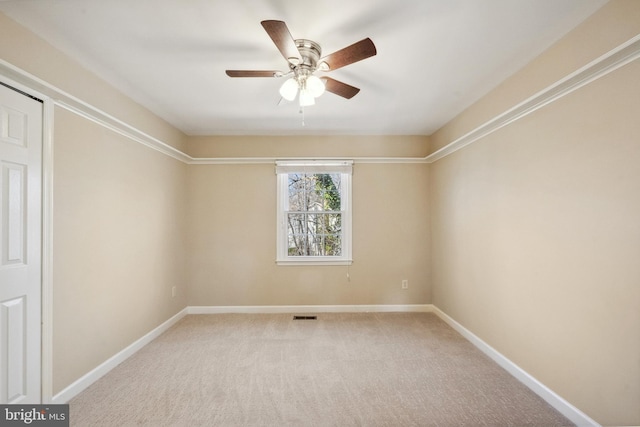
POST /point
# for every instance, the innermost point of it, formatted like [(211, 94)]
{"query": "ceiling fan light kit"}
[(289, 89), (304, 58), (315, 86), (308, 86)]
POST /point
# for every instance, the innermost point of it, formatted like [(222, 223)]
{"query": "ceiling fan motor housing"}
[(310, 53)]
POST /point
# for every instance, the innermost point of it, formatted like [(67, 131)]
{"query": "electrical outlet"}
[(173, 291), (405, 284)]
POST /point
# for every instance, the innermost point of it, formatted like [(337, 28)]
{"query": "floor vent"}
[(305, 317)]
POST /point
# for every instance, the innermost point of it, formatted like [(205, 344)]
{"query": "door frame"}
[(46, 238)]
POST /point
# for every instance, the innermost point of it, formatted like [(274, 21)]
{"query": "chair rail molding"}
[(610, 61)]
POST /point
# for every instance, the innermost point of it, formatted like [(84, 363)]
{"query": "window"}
[(314, 212)]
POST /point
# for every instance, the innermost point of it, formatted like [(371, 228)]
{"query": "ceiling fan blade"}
[(342, 89), (350, 54), (253, 73), (281, 36)]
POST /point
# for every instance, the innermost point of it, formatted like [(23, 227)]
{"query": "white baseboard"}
[(420, 308), (94, 375), (565, 408)]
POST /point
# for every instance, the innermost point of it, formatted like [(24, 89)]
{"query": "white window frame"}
[(283, 169)]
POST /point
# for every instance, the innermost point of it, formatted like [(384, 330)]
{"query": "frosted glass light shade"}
[(315, 86), (306, 98), (289, 89)]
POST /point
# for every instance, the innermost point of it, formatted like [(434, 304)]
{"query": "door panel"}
[(20, 247), (13, 176), (13, 337)]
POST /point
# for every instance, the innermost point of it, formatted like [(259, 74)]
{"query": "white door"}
[(20, 247)]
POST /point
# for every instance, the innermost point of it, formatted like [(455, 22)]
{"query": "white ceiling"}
[(435, 57)]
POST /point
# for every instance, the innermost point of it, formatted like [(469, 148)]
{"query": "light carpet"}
[(353, 369)]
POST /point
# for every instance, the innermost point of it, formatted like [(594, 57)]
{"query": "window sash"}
[(316, 257)]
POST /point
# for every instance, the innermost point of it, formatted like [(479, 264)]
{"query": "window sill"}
[(314, 262)]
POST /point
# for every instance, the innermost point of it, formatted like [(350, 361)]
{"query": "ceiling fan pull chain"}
[(302, 112)]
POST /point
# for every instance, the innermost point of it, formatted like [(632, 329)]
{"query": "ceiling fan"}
[(304, 59)]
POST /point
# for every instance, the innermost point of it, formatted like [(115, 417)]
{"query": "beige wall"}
[(232, 240), (119, 246), (535, 231), (308, 146)]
